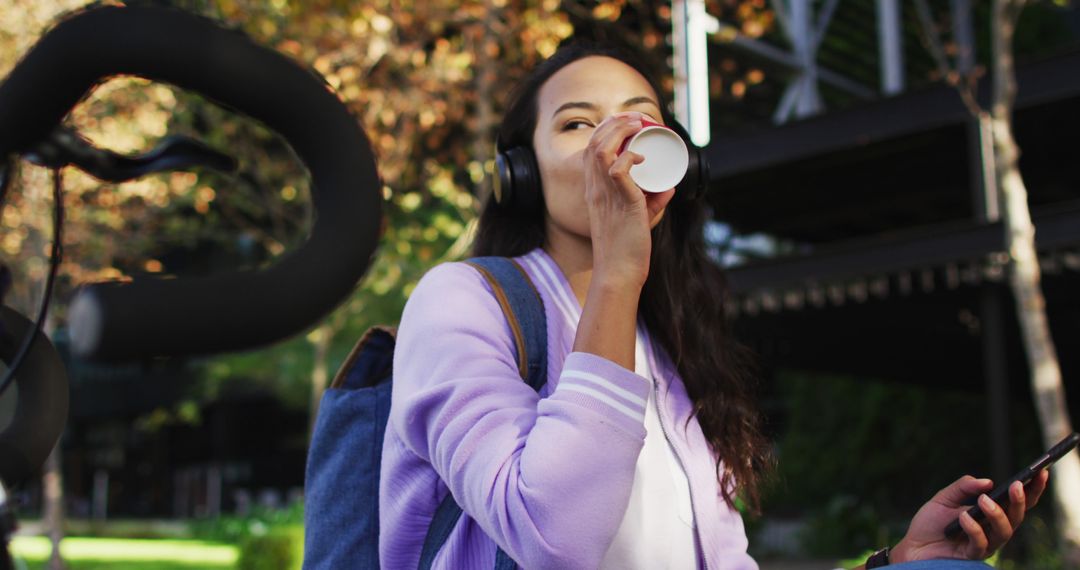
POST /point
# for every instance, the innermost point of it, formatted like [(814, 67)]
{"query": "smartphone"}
[(1000, 494)]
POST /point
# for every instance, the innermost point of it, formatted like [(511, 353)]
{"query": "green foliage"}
[(281, 369), (267, 538), (236, 529), (1043, 30), (1035, 545), (856, 454), (126, 529), (877, 441), (281, 548), (184, 412), (417, 81), (855, 561), (844, 524), (857, 457)]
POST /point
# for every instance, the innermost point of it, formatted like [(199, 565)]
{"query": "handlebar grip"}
[(227, 311), (42, 403)]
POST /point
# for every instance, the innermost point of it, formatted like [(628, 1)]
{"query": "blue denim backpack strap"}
[(524, 310)]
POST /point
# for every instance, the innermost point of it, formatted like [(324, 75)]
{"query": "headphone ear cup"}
[(503, 189), (42, 405), (517, 187), (696, 181)]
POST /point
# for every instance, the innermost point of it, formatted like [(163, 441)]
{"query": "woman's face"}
[(571, 104)]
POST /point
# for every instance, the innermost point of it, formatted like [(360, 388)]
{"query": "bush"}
[(885, 443), (280, 548), (1035, 545), (267, 538), (237, 528), (844, 525)]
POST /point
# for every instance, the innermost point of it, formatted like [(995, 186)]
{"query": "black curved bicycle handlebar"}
[(66, 147), (229, 311)]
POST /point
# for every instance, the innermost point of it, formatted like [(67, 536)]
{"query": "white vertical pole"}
[(701, 24), (691, 25), (892, 53)]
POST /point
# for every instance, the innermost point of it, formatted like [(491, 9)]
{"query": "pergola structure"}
[(889, 258), (804, 27)]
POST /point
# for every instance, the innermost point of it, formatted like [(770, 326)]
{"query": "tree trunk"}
[(54, 507), (1024, 278), (1046, 383)]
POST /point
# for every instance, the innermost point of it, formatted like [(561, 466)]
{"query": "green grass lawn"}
[(127, 554)]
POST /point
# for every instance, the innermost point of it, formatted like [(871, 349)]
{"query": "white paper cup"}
[(666, 157)]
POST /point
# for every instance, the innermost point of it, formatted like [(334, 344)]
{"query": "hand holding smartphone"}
[(1000, 494)]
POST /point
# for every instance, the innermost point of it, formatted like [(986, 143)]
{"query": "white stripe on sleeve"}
[(605, 384), (545, 264), (635, 415)]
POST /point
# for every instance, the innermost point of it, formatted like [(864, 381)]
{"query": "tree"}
[(427, 86), (1024, 274), (418, 81)]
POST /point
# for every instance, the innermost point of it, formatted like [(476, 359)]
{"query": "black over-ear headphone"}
[(517, 176), (42, 402)]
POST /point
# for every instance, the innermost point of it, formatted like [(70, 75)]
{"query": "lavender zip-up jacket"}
[(547, 476)]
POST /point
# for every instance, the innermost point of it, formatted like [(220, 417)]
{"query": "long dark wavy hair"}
[(682, 302)]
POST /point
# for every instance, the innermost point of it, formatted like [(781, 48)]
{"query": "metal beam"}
[(801, 98), (1059, 227), (730, 35), (913, 112), (964, 33), (824, 17)]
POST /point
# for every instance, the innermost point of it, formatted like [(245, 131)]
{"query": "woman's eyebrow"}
[(639, 100), (574, 105)]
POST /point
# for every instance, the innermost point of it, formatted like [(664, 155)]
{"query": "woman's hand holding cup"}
[(620, 214)]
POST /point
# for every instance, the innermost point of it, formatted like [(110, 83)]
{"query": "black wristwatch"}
[(878, 559)]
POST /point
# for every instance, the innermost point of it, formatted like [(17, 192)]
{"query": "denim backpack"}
[(341, 512)]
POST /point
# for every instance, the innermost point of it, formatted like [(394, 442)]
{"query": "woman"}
[(632, 454)]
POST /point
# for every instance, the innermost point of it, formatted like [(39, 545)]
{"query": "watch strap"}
[(878, 559)]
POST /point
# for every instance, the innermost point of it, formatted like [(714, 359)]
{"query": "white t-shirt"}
[(658, 528)]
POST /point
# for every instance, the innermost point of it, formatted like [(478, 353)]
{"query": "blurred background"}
[(850, 204)]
